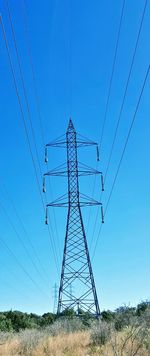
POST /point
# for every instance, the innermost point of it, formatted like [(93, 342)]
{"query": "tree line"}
[(11, 321)]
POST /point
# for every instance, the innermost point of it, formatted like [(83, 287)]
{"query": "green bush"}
[(142, 307), (121, 318), (107, 315), (5, 323)]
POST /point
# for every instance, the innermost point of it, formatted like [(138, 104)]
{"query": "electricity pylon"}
[(55, 299), (76, 265)]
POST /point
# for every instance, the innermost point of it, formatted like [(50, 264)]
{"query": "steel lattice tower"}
[(76, 265)]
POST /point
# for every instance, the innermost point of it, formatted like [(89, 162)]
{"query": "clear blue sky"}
[(72, 45)]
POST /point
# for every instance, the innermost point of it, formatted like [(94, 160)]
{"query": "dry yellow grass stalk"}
[(76, 344)]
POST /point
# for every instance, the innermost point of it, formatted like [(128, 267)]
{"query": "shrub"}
[(5, 323), (142, 307), (107, 315), (29, 339), (69, 313), (124, 316), (100, 333), (47, 319), (66, 325)]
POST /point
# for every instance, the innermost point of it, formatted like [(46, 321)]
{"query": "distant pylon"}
[(55, 296), (76, 265), (71, 292)]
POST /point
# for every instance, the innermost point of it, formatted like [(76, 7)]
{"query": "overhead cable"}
[(123, 153), (26, 131)]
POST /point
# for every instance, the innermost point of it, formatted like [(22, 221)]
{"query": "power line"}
[(21, 266), (54, 215), (107, 105), (20, 239), (94, 226), (37, 101), (15, 276), (127, 138), (36, 94), (124, 96), (25, 93), (93, 191), (26, 233), (26, 131), (23, 83), (4, 282), (123, 152), (126, 88), (20, 106), (112, 73)]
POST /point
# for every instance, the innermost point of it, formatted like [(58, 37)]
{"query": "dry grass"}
[(9, 348), (121, 344), (75, 344)]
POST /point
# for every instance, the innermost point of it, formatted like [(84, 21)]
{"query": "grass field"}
[(125, 332), (39, 343)]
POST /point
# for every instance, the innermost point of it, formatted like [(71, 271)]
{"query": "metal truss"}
[(77, 289)]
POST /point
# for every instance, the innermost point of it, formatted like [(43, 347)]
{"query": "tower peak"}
[(70, 125)]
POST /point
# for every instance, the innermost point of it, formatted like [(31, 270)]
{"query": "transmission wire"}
[(123, 153), (21, 266), (37, 101), (25, 127), (20, 239), (112, 73), (25, 95), (123, 100), (15, 276), (126, 88), (107, 106), (26, 233)]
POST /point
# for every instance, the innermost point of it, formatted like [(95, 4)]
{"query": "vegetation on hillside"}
[(121, 317), (126, 331)]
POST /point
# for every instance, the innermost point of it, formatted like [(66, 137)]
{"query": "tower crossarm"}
[(64, 204), (64, 173)]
